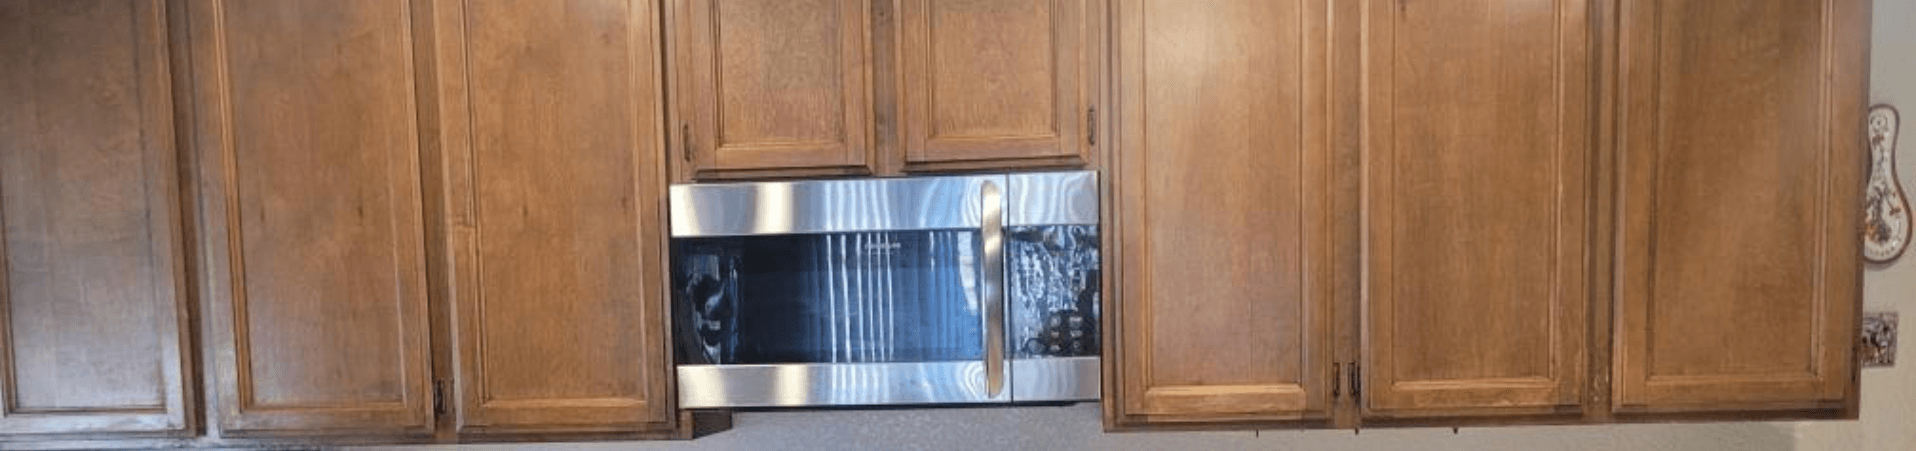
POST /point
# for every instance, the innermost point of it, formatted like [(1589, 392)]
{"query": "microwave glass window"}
[(1053, 277), (861, 297)]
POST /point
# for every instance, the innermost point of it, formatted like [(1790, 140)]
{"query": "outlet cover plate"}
[(1879, 340)]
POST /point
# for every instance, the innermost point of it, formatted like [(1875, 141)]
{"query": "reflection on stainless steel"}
[(1053, 198), (771, 208), (994, 288), (862, 297), (971, 289), (1055, 379), (1055, 286), (845, 384)]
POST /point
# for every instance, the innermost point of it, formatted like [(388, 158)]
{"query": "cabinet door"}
[(91, 282), (1741, 185), (1221, 213), (307, 143), (1477, 173), (996, 83), (773, 87), (554, 172)]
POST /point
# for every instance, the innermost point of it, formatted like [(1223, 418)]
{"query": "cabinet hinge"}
[(1091, 126), (1357, 384), (439, 398)]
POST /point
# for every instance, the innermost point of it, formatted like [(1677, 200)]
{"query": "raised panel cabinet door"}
[(1477, 167), (1742, 163), (773, 87), (554, 171), (92, 298), (996, 83), (307, 142), (1221, 214)]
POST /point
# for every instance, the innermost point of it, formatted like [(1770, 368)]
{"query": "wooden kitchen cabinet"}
[(1595, 211), (811, 88), (93, 295), (1477, 178), (553, 179), (1220, 215), (1742, 171), (305, 131), (996, 83), (773, 87)]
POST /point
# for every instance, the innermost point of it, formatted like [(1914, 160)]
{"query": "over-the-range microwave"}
[(919, 290)]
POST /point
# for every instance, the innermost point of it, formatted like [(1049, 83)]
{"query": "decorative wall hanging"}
[(1879, 340), (1886, 221)]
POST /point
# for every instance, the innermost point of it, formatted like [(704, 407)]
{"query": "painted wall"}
[(1889, 395)]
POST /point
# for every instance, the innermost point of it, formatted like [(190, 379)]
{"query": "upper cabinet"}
[(1477, 150), (552, 178), (1742, 161), (773, 87), (1221, 196), (996, 83), (92, 281), (1512, 211), (806, 88), (306, 136)]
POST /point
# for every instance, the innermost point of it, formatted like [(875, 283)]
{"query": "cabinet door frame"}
[(1561, 391), (1132, 399), (160, 165), (696, 145), (223, 271), (476, 410), (1076, 33), (1831, 384)]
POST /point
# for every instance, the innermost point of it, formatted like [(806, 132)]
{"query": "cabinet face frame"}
[(1389, 230), (158, 165), (702, 148), (460, 180), (1074, 60), (223, 245), (1133, 397), (1841, 78)]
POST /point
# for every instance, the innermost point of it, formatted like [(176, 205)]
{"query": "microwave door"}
[(865, 292)]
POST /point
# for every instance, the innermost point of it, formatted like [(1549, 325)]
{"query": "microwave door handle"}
[(991, 233)]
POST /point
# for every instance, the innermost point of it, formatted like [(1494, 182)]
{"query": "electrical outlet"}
[(1879, 340)]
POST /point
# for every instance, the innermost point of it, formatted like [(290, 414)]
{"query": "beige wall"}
[(1889, 395)]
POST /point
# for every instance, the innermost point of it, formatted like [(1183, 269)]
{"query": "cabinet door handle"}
[(992, 235), (1337, 380), (1091, 126), (685, 142)]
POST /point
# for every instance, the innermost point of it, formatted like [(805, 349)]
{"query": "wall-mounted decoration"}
[(1886, 222), (1879, 339)]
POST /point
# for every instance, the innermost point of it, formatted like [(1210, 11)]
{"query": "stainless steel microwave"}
[(921, 290)]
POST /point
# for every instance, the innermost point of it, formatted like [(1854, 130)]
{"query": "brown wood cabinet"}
[(553, 172), (807, 88), (996, 83), (1595, 211), (1220, 214), (306, 135), (1742, 159), (778, 87), (92, 279), (1477, 152)]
